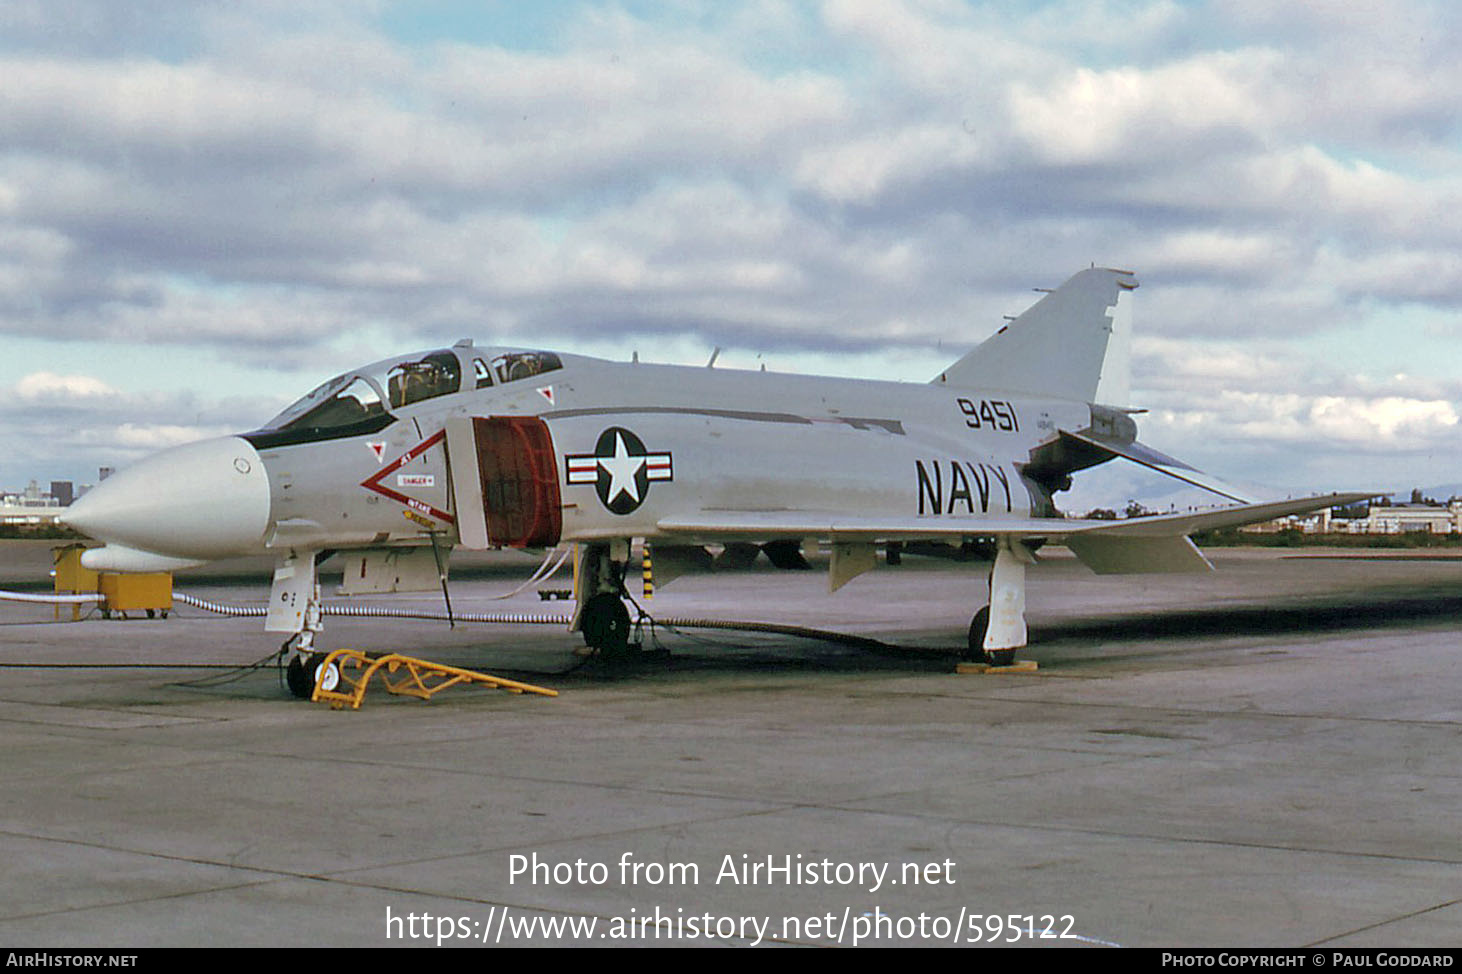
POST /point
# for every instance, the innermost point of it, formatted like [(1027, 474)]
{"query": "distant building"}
[(34, 506), (1395, 519), (28, 515), (15, 509), (1402, 518)]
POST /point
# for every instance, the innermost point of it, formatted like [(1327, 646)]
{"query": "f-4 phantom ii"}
[(494, 447)]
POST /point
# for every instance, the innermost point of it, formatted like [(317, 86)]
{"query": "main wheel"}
[(978, 625), (605, 622)]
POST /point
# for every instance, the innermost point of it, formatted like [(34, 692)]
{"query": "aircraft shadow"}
[(1259, 620), (746, 652)]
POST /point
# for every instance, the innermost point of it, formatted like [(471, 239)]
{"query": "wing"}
[(1148, 544)]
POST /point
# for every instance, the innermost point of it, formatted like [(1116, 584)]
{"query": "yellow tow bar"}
[(352, 669)]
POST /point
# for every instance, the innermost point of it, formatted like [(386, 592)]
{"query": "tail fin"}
[(1074, 343)]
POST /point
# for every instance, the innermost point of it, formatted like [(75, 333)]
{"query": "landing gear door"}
[(505, 479)]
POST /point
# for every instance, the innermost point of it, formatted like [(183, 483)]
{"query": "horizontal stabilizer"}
[(1162, 463)]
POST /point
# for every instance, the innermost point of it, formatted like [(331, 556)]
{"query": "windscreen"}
[(347, 405)]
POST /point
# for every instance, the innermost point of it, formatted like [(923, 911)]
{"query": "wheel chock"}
[(1022, 666), (343, 676)]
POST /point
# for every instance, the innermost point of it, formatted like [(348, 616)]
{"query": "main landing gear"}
[(998, 629), (602, 616), (606, 626)]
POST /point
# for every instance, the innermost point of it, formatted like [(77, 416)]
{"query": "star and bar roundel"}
[(620, 468)]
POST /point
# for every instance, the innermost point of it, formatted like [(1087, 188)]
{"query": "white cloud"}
[(1389, 424), (132, 436), (42, 386), (860, 170), (1179, 110)]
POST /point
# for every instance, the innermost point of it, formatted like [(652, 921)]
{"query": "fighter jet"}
[(483, 447)]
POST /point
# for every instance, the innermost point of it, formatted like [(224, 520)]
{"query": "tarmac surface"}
[(1267, 755)]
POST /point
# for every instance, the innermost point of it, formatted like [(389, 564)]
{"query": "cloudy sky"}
[(207, 208)]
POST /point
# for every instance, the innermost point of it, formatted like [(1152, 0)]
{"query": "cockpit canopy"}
[(367, 400), (512, 366), (434, 374)]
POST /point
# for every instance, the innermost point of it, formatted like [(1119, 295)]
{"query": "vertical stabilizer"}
[(1075, 343)]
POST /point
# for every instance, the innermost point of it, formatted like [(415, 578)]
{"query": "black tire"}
[(605, 623), (300, 677), (1001, 657), (978, 625)]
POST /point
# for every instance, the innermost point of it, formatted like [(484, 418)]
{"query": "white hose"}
[(380, 612), (508, 618), (540, 575), (51, 599)]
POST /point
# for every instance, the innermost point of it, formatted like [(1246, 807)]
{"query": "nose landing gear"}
[(295, 608), (304, 672)]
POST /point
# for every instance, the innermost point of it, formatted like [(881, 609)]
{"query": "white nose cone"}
[(201, 501)]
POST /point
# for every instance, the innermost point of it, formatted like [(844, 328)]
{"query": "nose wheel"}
[(302, 674), (300, 685)]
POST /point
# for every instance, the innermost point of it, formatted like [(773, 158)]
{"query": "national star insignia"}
[(620, 468)]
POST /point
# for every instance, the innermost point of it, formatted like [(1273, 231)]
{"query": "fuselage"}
[(613, 448)]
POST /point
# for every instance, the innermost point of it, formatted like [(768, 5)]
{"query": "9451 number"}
[(993, 414)]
